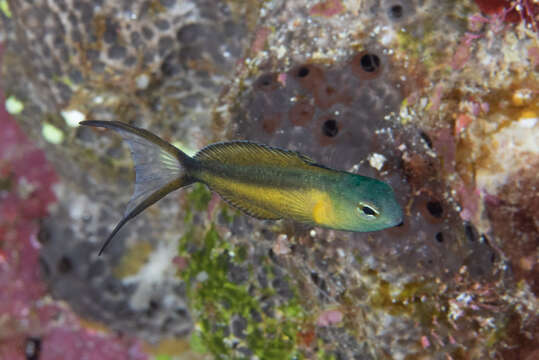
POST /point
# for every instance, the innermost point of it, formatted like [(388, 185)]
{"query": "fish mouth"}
[(398, 219), (395, 223)]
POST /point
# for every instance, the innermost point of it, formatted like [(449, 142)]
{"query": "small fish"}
[(262, 181)]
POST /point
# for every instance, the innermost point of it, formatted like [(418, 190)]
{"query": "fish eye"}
[(367, 210)]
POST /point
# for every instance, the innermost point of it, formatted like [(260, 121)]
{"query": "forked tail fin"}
[(159, 168)]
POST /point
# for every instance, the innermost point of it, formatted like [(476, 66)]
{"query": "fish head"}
[(368, 204)]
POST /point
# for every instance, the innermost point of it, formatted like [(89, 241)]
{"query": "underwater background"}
[(437, 98)]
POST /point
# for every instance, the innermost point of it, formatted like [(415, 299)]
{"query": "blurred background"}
[(436, 98)]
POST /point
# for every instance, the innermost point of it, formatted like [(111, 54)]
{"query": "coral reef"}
[(161, 57), (32, 325), (437, 98)]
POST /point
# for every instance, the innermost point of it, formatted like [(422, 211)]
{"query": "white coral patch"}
[(73, 117), (511, 149), (377, 160)]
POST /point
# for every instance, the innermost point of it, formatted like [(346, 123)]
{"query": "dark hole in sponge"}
[(435, 208), (265, 80), (171, 65), (153, 306), (271, 255), (181, 312), (303, 71), (315, 278), (426, 139), (301, 113), (470, 232), (321, 283), (330, 90), (32, 348), (330, 128), (395, 12), (369, 62), (64, 265), (439, 237), (43, 236)]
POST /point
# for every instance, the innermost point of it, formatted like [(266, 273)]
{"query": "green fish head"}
[(367, 204)]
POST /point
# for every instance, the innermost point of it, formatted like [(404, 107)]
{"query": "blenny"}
[(262, 181)]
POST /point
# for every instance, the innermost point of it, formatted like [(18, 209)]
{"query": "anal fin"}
[(248, 208)]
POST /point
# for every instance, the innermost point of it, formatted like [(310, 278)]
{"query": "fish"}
[(262, 181)]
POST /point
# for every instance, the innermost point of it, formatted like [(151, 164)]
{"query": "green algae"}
[(52, 133), (322, 353), (216, 301), (163, 357), (421, 47), (6, 183), (13, 105), (413, 299), (504, 328), (4, 8), (228, 214), (197, 200), (197, 344), (66, 80)]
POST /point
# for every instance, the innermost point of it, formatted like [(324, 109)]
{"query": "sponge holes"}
[(327, 95), (309, 76), (303, 71), (271, 122), (301, 113), (366, 65), (64, 265), (435, 208), (369, 62), (329, 129), (398, 10), (395, 12), (431, 209), (267, 82)]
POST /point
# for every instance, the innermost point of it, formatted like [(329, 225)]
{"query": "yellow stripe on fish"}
[(311, 206), (322, 210)]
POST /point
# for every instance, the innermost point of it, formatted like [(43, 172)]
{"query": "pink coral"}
[(260, 39), (62, 343), (327, 8), (512, 11), (329, 317)]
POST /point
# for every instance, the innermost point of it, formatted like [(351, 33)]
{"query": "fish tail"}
[(160, 168)]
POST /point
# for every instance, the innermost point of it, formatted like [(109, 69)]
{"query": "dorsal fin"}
[(249, 153)]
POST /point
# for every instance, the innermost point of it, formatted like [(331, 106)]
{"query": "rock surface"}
[(439, 99)]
